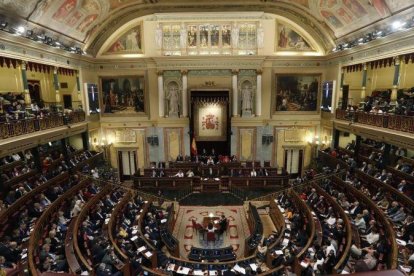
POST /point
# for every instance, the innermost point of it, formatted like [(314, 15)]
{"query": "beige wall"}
[(354, 80), (11, 79), (72, 89)]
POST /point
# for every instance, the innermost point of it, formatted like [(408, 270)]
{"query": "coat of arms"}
[(210, 121)]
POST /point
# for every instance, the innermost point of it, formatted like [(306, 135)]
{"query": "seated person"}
[(189, 173), (179, 174), (210, 161)]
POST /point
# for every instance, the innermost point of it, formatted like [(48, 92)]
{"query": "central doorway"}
[(293, 162), (127, 164), (221, 124)]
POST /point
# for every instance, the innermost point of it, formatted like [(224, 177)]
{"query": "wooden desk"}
[(210, 185), (207, 220)]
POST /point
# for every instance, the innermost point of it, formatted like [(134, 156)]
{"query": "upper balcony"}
[(17, 127), (384, 121)]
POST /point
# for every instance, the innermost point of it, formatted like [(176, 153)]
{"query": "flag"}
[(194, 147)]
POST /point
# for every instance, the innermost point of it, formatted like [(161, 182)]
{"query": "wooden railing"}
[(17, 205), (310, 227), (44, 220), (81, 217), (112, 225), (26, 126), (348, 229), (402, 198), (395, 122), (380, 218)]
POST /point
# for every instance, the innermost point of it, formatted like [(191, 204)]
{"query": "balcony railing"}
[(26, 126), (389, 121)]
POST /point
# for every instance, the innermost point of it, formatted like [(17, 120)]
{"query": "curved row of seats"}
[(50, 231), (334, 233), (90, 235), (391, 209)]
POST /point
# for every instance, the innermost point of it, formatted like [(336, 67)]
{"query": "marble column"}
[(161, 96), (396, 80), (235, 93), (56, 84), (184, 95), (258, 108), (364, 81), (27, 99)]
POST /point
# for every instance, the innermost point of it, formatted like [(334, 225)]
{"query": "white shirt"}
[(372, 237)]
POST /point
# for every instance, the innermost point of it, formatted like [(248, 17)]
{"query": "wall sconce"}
[(313, 140)]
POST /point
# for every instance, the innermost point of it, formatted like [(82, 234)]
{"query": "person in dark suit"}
[(223, 224)]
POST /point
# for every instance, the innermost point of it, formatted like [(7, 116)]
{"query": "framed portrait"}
[(123, 95), (210, 121), (128, 42), (297, 92)]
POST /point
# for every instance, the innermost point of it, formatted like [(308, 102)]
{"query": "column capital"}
[(55, 70), (364, 66), (234, 71), (259, 71), (184, 72), (397, 60), (24, 65), (160, 72)]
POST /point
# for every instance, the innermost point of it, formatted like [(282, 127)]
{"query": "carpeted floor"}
[(235, 236)]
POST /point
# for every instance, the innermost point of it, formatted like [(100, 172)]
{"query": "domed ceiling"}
[(91, 21)]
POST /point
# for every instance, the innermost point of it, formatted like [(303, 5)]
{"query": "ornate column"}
[(184, 96), (397, 64), (161, 96), (78, 86), (341, 84), (56, 84), (235, 93), (364, 81), (258, 109), (27, 99)]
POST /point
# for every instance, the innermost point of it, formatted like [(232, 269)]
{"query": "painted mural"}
[(289, 40), (131, 41)]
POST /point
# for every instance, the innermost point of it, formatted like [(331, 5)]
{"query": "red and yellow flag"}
[(194, 147)]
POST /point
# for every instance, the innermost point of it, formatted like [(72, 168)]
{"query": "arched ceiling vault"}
[(322, 34), (90, 22)]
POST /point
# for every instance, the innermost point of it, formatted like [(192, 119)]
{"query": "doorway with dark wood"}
[(67, 101), (34, 90)]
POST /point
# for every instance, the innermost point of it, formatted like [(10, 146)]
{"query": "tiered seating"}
[(376, 215), (50, 232), (18, 221), (90, 230), (336, 231)]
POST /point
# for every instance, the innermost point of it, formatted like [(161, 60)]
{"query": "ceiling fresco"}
[(81, 19)]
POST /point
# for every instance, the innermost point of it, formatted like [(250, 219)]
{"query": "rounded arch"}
[(320, 32)]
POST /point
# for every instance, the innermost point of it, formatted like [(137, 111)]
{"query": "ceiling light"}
[(20, 29), (398, 24), (3, 25)]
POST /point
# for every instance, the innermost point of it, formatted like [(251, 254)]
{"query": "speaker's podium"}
[(210, 185)]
